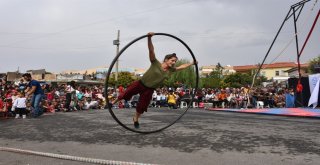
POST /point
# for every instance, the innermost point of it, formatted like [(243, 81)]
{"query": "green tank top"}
[(155, 75)]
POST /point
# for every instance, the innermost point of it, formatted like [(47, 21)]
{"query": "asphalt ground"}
[(200, 138)]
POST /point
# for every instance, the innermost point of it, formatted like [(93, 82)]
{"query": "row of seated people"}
[(217, 100)]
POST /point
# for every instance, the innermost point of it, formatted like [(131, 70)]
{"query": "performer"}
[(153, 78)]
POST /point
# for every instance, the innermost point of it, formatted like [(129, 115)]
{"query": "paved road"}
[(201, 137)]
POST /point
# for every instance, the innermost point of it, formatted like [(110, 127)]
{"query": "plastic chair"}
[(183, 104), (260, 104), (195, 105)]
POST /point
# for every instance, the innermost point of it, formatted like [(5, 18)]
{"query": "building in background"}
[(206, 70), (276, 71)]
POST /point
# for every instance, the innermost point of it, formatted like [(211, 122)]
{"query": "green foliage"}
[(238, 80), (209, 82), (312, 65), (124, 78), (214, 79), (186, 76), (215, 75)]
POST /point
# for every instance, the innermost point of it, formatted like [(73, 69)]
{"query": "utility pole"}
[(117, 43)]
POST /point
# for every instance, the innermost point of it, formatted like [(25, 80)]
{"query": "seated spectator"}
[(232, 99), (90, 104), (29, 108), (163, 100), (48, 107), (135, 100), (55, 105), (3, 108), (215, 99), (208, 97), (199, 96), (245, 100), (223, 98), (22, 86), (279, 99), (187, 97), (172, 100), (158, 100)]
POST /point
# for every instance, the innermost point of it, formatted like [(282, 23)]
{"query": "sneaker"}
[(136, 124), (24, 116), (17, 116)]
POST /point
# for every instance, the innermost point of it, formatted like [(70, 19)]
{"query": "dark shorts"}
[(145, 95)]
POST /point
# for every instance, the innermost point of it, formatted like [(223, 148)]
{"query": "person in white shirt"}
[(19, 105), (70, 95), (90, 104), (209, 97)]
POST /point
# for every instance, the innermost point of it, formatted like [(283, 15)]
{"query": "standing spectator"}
[(289, 98), (19, 105), (70, 95), (34, 89)]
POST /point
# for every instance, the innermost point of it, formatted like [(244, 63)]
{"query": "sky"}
[(59, 35)]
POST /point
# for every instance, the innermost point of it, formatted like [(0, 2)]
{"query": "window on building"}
[(277, 73)]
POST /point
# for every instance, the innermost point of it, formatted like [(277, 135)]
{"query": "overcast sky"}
[(63, 35)]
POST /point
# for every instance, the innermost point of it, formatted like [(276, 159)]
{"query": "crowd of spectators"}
[(60, 97), (240, 98), (55, 98)]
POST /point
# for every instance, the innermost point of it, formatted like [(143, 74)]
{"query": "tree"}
[(186, 77), (124, 78), (314, 65), (238, 80), (214, 79), (210, 82)]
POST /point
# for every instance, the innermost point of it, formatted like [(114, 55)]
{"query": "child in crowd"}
[(3, 108), (48, 106), (19, 105)]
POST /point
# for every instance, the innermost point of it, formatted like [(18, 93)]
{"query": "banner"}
[(313, 79), (314, 83)]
